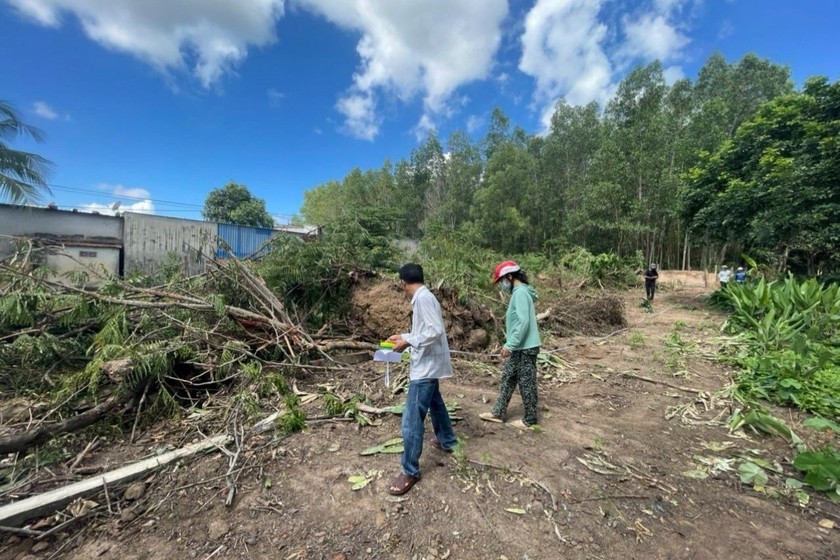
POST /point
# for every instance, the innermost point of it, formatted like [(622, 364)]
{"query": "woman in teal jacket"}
[(521, 348)]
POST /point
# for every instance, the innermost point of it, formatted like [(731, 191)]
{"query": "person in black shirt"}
[(650, 281)]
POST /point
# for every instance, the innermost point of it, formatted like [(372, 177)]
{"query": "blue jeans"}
[(423, 397)]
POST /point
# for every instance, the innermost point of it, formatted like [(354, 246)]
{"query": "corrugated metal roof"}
[(244, 241)]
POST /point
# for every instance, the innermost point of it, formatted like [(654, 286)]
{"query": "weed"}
[(294, 419), (461, 460), (637, 340)]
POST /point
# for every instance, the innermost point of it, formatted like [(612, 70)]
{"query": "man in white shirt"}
[(724, 276), (430, 362)]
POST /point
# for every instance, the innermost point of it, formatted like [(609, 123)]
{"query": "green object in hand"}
[(387, 345)]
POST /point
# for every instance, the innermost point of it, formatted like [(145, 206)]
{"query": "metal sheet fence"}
[(243, 241)]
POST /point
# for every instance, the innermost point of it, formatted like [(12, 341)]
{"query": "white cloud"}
[(423, 127), (474, 122), (38, 10), (562, 49), (130, 199), (359, 110), (140, 207), (672, 74), (121, 190), (131, 192), (652, 37), (413, 48), (207, 36), (726, 29), (576, 52), (43, 110), (275, 97)]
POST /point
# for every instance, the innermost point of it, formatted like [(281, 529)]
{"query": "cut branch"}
[(15, 443)]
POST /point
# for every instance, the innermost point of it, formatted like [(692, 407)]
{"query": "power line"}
[(112, 196), (185, 206)]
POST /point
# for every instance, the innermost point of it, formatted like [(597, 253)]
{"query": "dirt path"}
[(603, 479)]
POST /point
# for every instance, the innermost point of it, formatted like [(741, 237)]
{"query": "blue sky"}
[(154, 103)]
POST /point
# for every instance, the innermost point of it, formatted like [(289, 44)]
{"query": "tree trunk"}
[(16, 443)]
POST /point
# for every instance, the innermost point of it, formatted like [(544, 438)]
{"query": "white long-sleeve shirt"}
[(430, 357)]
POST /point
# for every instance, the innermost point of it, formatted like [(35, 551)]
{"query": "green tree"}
[(451, 188), (22, 174), (774, 185), (638, 133), (501, 205), (324, 203), (234, 204), (565, 164), (726, 95)]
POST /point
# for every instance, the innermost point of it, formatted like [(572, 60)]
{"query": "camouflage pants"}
[(520, 369)]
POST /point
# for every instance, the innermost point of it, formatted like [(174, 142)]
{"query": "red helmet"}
[(504, 269)]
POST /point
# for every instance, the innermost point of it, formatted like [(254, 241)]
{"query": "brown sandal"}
[(436, 444), (402, 484)]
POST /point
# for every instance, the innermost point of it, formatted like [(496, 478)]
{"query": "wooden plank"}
[(16, 513)]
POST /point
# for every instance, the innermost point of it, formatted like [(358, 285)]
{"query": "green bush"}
[(787, 342), (313, 278)]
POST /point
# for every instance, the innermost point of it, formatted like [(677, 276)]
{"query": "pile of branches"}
[(585, 316), (131, 343)]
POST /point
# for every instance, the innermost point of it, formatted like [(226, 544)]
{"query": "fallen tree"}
[(16, 513), (131, 343)]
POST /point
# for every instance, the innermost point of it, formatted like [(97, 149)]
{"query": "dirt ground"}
[(602, 479)]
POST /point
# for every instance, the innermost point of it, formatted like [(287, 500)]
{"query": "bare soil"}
[(381, 309), (602, 479)]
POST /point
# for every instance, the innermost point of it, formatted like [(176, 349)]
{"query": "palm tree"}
[(22, 174)]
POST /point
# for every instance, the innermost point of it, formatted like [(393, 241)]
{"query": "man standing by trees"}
[(650, 281), (430, 362), (724, 276)]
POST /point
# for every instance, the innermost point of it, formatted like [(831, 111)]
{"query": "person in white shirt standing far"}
[(430, 362), (724, 276)]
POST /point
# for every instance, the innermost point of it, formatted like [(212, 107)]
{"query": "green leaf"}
[(822, 469), (752, 474), (793, 483), (391, 446), (802, 497), (373, 450), (394, 449), (699, 474), (822, 425), (516, 510), (358, 482)]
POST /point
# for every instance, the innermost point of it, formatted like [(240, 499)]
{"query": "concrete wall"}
[(98, 263), (18, 221), (150, 241)]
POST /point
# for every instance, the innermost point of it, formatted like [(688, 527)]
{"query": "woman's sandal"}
[(402, 484), (488, 417)]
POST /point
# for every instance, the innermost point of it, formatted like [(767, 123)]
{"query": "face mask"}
[(507, 287)]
